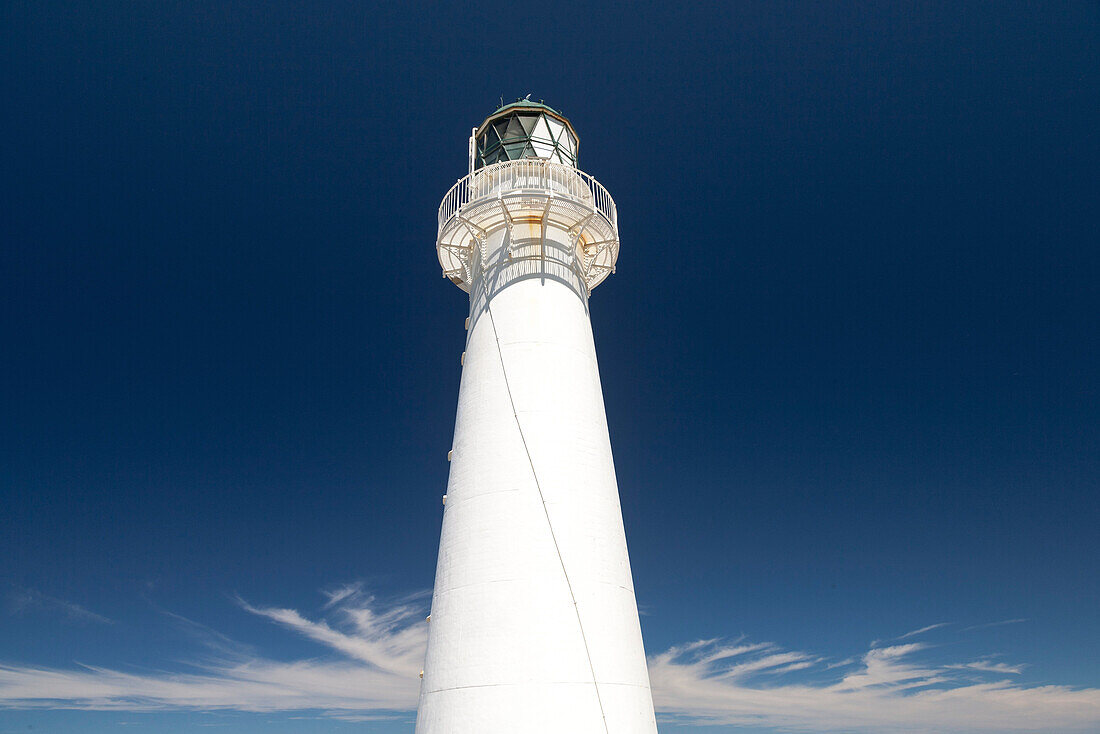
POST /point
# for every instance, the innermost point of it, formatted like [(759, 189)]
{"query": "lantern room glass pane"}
[(542, 130), (515, 130), (542, 150), (528, 122), (555, 127)]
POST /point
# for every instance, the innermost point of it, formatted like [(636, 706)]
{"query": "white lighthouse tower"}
[(534, 625)]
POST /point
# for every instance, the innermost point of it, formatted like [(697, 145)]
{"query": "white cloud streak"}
[(374, 653), (922, 630), (886, 691), (23, 601), (386, 641), (911, 633), (995, 624), (379, 656)]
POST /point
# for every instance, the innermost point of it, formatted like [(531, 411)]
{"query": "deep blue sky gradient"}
[(850, 355)]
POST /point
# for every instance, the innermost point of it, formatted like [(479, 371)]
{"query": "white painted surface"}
[(534, 624)]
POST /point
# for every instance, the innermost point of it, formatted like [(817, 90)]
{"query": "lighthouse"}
[(534, 623)]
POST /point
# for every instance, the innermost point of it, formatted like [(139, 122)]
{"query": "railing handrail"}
[(469, 188)]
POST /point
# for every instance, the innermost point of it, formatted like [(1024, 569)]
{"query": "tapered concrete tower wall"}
[(534, 624)]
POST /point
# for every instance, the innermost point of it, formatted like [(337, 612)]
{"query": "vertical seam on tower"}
[(546, 512)]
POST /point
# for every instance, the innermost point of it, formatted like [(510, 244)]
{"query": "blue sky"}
[(849, 356)]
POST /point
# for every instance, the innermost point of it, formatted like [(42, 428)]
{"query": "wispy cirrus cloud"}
[(386, 640), (374, 650), (911, 633), (888, 689), (922, 630), (994, 624), (373, 669), (24, 601), (988, 666)]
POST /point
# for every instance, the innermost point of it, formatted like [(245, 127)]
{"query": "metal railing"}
[(533, 175)]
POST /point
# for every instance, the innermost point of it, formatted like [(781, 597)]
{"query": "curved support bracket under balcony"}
[(535, 193)]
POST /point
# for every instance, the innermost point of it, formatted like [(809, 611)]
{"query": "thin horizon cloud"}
[(375, 651)]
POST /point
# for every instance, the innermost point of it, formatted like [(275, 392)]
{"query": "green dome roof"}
[(529, 104)]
